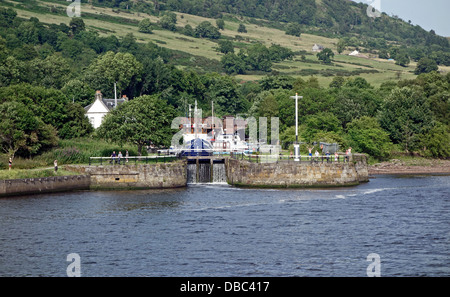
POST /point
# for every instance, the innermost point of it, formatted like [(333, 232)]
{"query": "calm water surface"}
[(218, 230)]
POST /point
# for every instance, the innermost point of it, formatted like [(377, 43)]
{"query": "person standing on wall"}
[(119, 156)]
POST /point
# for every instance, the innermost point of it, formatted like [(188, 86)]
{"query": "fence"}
[(132, 160), (289, 159)]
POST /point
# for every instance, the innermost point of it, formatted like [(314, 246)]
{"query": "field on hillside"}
[(374, 70)]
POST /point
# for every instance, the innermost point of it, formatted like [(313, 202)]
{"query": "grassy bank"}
[(33, 173), (70, 151)]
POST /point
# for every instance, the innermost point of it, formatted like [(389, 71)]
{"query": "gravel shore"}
[(395, 166)]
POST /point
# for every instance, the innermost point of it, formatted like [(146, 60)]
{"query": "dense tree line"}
[(48, 73)]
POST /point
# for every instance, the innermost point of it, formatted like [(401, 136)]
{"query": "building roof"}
[(317, 47), (107, 103)]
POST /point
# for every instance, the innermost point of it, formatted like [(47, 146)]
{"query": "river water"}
[(217, 230)]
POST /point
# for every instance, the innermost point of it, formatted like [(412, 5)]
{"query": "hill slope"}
[(202, 54)]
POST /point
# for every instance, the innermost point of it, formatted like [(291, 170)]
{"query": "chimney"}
[(98, 95)]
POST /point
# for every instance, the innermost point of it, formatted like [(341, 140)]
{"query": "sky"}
[(428, 14)]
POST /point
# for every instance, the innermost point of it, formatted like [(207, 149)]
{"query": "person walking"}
[(126, 156), (10, 163), (56, 165)]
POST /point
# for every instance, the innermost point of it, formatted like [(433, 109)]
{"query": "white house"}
[(317, 48), (97, 110)]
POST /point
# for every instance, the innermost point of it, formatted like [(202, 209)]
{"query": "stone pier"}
[(297, 174)]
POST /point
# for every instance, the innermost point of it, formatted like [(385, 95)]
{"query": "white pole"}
[(212, 115), (115, 96), (296, 145), (190, 121), (195, 119), (296, 117)]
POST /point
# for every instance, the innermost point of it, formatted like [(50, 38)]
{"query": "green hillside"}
[(202, 54)]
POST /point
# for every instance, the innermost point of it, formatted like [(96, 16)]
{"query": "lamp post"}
[(296, 145)]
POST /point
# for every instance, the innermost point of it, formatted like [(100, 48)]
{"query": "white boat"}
[(227, 143)]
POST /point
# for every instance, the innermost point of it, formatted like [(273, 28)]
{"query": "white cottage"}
[(97, 110), (317, 48)]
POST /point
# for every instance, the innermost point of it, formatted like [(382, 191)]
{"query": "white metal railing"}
[(133, 159)]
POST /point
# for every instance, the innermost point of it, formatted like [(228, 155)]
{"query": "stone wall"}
[(29, 186), (295, 174), (174, 174), (149, 176)]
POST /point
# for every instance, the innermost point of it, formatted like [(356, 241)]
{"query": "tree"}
[(367, 136), (426, 65), (358, 82), (258, 57), (145, 26), (77, 124), (276, 82), (224, 91), (242, 28), (436, 143), (7, 16), (188, 30), (405, 114), (142, 121), (168, 21), (27, 32), (207, 30), (353, 103), (110, 68), (52, 72), (220, 23), (45, 103), (340, 46), (77, 25), (279, 53), (337, 82), (12, 71), (78, 92), (226, 46), (293, 29), (268, 107), (233, 64), (402, 59), (320, 122), (383, 54), (22, 132), (325, 56)]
